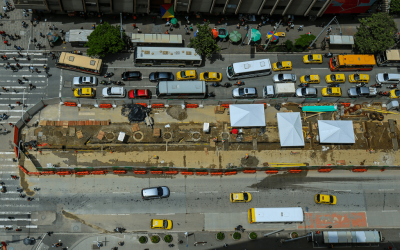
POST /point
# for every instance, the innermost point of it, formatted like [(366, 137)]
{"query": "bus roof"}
[(356, 60), (78, 35), (80, 61), (173, 53), (393, 54), (156, 38), (351, 236), (249, 66), (279, 214), (177, 87)]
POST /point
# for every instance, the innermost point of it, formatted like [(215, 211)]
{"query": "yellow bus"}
[(79, 63), (352, 62)]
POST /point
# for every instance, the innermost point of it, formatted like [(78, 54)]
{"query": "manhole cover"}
[(138, 136), (75, 228), (43, 217), (196, 136), (110, 136), (225, 136), (167, 135), (10, 248)]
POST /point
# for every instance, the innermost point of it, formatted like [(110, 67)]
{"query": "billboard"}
[(349, 6)]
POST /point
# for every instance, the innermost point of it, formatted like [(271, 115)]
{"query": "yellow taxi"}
[(280, 66), (325, 199), (211, 77), (395, 93), (356, 78), (186, 75), (161, 224), (310, 79), (85, 92), (240, 197), (331, 91), (314, 58), (335, 78)]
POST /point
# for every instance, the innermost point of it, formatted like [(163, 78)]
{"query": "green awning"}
[(319, 108)]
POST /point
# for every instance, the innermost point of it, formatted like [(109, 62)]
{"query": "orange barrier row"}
[(119, 171), (34, 173), (192, 106), (345, 104), (83, 173), (72, 104), (139, 172), (249, 171), (271, 171), (143, 104), (217, 173), (105, 106), (230, 173), (23, 169), (48, 172), (325, 170), (99, 172), (16, 141), (157, 105), (64, 173), (186, 173), (170, 172), (201, 173), (225, 105), (359, 170), (156, 172), (294, 171)]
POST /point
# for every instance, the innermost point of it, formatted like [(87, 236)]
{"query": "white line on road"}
[(166, 214), (16, 219), (7, 172), (7, 153), (389, 211), (31, 226), (15, 212), (148, 86), (17, 205), (209, 192), (342, 190), (386, 189), (252, 191), (318, 68), (121, 192)]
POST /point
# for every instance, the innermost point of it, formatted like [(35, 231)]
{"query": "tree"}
[(375, 34), (104, 39), (304, 40), (204, 43), (394, 6)]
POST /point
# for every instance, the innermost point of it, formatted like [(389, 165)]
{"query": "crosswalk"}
[(16, 92), (11, 205)]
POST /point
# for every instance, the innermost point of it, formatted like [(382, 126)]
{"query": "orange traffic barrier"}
[(119, 171), (359, 170), (83, 173), (249, 171), (294, 171), (192, 106), (156, 172), (201, 173), (99, 172), (217, 173), (105, 106), (48, 172), (157, 105), (72, 104), (64, 173), (324, 170), (23, 169), (170, 172), (34, 173), (271, 171), (230, 173), (143, 104), (140, 172), (345, 104), (186, 173), (225, 105)]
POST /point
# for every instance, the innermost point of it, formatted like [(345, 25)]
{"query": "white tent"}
[(247, 115), (336, 131), (290, 129)]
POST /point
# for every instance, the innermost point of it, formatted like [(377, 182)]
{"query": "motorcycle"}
[(239, 83), (303, 85), (108, 74), (328, 55), (216, 84), (104, 82), (361, 84), (119, 83), (392, 86), (3, 117), (377, 85), (381, 93), (227, 85), (211, 94), (3, 189)]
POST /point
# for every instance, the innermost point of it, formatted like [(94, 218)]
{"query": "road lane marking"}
[(389, 211), (342, 190), (15, 212), (16, 219), (319, 68), (252, 191), (121, 192), (7, 153), (31, 226), (149, 86), (208, 192), (386, 189), (167, 214)]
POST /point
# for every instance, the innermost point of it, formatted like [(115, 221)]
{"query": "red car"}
[(139, 94)]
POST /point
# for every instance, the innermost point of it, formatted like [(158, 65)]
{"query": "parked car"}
[(210, 76), (240, 197), (244, 93), (284, 78), (161, 224), (85, 92), (310, 79), (388, 78), (280, 66), (186, 75), (139, 94), (306, 92), (161, 76), (131, 76), (325, 199), (84, 80), (361, 91), (155, 193), (335, 78), (331, 91), (314, 58), (357, 78), (114, 92)]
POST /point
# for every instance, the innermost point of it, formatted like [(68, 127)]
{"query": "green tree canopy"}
[(304, 40), (394, 6), (203, 43), (375, 34), (104, 39)]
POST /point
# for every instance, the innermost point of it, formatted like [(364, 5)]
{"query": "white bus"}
[(249, 69), (276, 214), (181, 89), (348, 237), (163, 56)]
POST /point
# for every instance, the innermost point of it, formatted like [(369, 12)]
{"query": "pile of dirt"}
[(177, 113), (134, 112)]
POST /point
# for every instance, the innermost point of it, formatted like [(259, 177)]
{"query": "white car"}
[(388, 78), (114, 92), (85, 80)]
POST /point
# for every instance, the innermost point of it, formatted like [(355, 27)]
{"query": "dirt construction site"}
[(89, 137)]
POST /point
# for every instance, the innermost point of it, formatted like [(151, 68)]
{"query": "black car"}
[(131, 76), (161, 76)]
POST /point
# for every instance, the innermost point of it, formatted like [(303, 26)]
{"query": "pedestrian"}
[(5, 42), (4, 9), (25, 79), (12, 125), (170, 27), (247, 156), (191, 28), (5, 57), (37, 71), (54, 56), (17, 64), (54, 27), (138, 30), (19, 54), (31, 86), (31, 69), (20, 81), (166, 32), (134, 26), (15, 91), (19, 103), (93, 27), (32, 22), (15, 59), (34, 40), (225, 245), (41, 35), (5, 90), (309, 33), (5, 66)]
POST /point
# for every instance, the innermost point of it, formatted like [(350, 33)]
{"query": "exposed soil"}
[(177, 113)]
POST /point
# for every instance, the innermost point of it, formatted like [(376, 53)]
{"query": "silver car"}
[(114, 92), (284, 78), (306, 92), (388, 78), (244, 93), (84, 80), (155, 193)]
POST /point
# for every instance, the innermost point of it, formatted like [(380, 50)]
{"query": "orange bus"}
[(352, 62)]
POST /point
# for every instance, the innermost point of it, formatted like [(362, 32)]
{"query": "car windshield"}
[(385, 76), (310, 57), (156, 75), (241, 91), (109, 91), (206, 75), (183, 74), (333, 77), (80, 92), (279, 64), (397, 92), (304, 91), (160, 191), (307, 78), (245, 196), (356, 77), (318, 197), (331, 198), (280, 77), (80, 79), (165, 223), (358, 90), (329, 90), (218, 75)]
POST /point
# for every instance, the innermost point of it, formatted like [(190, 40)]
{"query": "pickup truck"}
[(362, 92)]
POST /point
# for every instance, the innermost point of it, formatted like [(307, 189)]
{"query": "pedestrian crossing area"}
[(15, 211), (12, 92)]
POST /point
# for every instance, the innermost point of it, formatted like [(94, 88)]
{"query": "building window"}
[(232, 6), (104, 5), (219, 5), (280, 7), (315, 8), (90, 4), (267, 7), (142, 6)]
